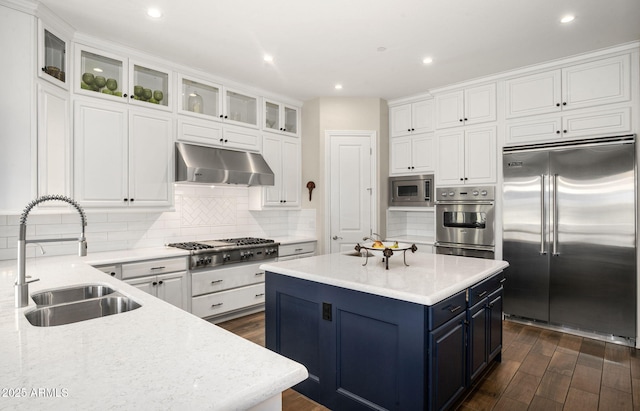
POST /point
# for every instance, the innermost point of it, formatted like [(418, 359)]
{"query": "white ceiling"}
[(319, 43)]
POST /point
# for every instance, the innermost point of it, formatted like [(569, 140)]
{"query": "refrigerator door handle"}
[(542, 215), (554, 224)]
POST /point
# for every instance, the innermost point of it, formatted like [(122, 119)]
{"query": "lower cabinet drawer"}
[(153, 267), (446, 309), (224, 301), (219, 279), (486, 287), (296, 249)]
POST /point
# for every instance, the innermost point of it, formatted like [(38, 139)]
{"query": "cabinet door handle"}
[(259, 274), (259, 295), (456, 308), (216, 281), (158, 268), (216, 305)]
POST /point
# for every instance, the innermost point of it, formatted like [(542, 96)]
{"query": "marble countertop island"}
[(154, 357), (429, 278)]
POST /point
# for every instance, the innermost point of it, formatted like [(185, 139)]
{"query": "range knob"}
[(451, 193), (483, 193), (475, 193), (226, 257), (444, 194)]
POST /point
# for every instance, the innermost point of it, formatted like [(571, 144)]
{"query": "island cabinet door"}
[(478, 338), (447, 363), (495, 325), (362, 352)]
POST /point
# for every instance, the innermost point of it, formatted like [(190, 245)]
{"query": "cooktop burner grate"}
[(191, 246), (247, 241)]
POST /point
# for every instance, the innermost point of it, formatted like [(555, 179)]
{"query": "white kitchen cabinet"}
[(282, 153), (412, 154), (122, 157), (294, 251), (281, 118), (165, 278), (466, 156), (227, 292), (212, 101), (113, 77), (54, 143), (578, 124), (411, 118), (584, 85), (466, 107), (171, 288), (53, 59), (216, 134)]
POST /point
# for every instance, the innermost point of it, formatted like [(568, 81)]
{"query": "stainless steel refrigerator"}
[(569, 234)]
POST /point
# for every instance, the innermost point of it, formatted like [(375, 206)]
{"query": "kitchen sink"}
[(73, 312), (67, 295)]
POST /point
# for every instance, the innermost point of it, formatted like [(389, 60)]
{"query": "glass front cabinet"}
[(281, 118), (53, 61), (208, 100), (109, 76)]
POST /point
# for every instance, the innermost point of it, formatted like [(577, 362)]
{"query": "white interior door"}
[(351, 188)]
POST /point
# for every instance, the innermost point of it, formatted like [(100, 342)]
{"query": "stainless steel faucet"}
[(22, 285)]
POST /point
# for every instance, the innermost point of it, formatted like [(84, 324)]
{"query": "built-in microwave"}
[(413, 191)]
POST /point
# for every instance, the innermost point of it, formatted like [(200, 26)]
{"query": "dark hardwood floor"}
[(540, 370)]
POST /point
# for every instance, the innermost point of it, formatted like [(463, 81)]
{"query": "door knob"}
[(335, 237)]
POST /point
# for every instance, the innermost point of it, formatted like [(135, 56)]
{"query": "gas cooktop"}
[(224, 243), (228, 251)]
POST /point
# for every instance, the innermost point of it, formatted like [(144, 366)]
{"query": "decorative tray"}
[(386, 249)]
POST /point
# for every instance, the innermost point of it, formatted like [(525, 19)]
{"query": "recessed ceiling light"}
[(338, 86), (268, 58), (568, 18), (154, 13), (427, 60), (381, 49), (97, 69)]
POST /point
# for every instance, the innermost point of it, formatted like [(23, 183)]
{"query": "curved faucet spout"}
[(21, 285)]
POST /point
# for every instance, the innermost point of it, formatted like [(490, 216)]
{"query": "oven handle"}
[(480, 202), (465, 246)]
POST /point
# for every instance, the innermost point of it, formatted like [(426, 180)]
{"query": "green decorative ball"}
[(158, 95), (88, 78), (112, 84), (100, 81)]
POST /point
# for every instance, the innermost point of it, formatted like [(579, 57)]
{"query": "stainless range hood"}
[(208, 165)]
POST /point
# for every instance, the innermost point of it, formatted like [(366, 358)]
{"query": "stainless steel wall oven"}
[(465, 220)]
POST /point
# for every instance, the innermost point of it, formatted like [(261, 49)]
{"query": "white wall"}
[(201, 213)]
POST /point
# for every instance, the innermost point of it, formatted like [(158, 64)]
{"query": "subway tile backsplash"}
[(201, 213)]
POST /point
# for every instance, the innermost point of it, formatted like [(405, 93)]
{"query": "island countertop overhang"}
[(428, 279)]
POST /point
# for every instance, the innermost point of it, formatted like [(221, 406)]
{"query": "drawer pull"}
[(216, 305), (456, 308), (259, 295), (158, 268), (297, 250), (503, 280), (482, 294), (260, 273), (216, 281)]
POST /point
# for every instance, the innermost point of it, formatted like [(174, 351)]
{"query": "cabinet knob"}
[(557, 104), (408, 129), (465, 179), (160, 282), (413, 129), (221, 140), (131, 96), (154, 283), (412, 167), (564, 131), (557, 131), (124, 95), (226, 116), (461, 179), (564, 103), (466, 119), (409, 168), (226, 141), (131, 200), (125, 199), (221, 116), (461, 120)]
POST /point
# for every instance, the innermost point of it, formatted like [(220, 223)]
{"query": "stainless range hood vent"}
[(208, 165)]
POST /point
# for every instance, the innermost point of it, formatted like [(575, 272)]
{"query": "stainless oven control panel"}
[(480, 193)]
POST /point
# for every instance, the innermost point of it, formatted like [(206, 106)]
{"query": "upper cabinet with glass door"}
[(53, 62), (109, 76), (212, 101), (200, 98), (280, 118)]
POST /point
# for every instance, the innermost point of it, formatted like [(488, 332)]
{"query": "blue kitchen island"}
[(407, 338)]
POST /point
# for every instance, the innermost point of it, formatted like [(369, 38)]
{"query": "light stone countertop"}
[(428, 279), (154, 357)]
